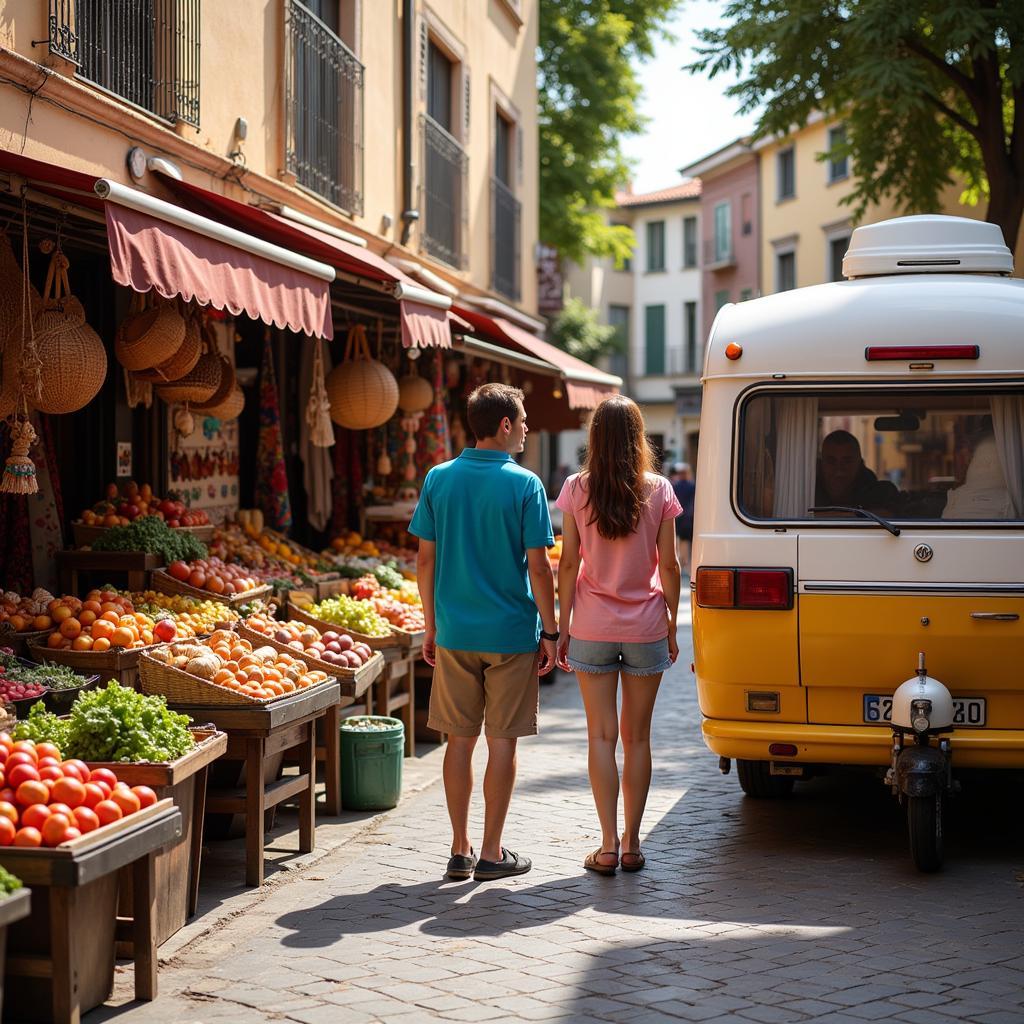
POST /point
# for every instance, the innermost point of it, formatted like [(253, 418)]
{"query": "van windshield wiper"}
[(894, 530)]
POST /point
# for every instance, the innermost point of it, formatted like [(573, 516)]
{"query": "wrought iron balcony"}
[(144, 52), (323, 110), (505, 251), (443, 194)]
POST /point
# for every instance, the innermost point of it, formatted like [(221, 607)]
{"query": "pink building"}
[(731, 219)]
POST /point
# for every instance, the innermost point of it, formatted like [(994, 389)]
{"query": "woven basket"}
[(167, 584), (199, 385), (414, 394), (12, 285), (377, 643), (182, 362), (156, 678), (339, 671), (149, 336), (224, 388), (73, 358), (362, 391), (230, 409)]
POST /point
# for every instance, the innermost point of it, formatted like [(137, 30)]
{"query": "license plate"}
[(967, 711)]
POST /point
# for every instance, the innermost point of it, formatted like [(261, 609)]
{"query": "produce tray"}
[(15, 907), (18, 642), (210, 744), (350, 678), (179, 687), (167, 584), (85, 535), (378, 643), (117, 659)]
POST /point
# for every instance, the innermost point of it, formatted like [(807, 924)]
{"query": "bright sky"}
[(690, 115)]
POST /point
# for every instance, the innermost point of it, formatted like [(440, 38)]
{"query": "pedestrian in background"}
[(618, 586), (487, 588), (685, 491)]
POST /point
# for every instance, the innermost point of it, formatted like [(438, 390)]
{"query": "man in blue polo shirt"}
[(487, 590)]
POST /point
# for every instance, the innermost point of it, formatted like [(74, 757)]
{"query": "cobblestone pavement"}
[(806, 909)]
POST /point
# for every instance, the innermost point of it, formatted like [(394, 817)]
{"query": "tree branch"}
[(955, 117), (966, 83)]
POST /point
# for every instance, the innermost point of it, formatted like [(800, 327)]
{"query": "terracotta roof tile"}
[(687, 190)]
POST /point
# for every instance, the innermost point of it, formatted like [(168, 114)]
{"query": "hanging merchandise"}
[(201, 382), (433, 440), (224, 388), (137, 392), (271, 476), (383, 467), (414, 393), (19, 470), (17, 298), (363, 392), (72, 359), (151, 334), (184, 359), (230, 409), (318, 408)]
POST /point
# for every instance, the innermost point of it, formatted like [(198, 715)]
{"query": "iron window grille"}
[(505, 251), (443, 194), (323, 110), (144, 51)]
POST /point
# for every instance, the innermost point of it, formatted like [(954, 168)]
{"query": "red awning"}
[(148, 252), (585, 386)]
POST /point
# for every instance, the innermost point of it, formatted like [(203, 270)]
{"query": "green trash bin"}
[(372, 748)]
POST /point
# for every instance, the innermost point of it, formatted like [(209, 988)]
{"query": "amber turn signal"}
[(733, 351), (715, 588)]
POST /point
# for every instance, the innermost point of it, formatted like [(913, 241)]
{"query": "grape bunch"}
[(359, 616)]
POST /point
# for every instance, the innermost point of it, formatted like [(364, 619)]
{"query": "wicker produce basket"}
[(199, 385), (230, 409), (167, 584), (179, 687), (18, 642), (339, 671), (224, 388), (378, 643), (182, 362), (85, 535), (151, 334)]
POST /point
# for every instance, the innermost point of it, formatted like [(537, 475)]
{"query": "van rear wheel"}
[(756, 780)]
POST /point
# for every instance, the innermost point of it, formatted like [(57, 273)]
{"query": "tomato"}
[(48, 750), (69, 791), (94, 793), (7, 795), (75, 767), (18, 757), (71, 832), (86, 819), (32, 792), (28, 837), (102, 775), (47, 761), (53, 772), (3, 754), (26, 747), (6, 741), (146, 796), (107, 811), (58, 808), (54, 827), (8, 810), (128, 801), (35, 816), (22, 773), (8, 830)]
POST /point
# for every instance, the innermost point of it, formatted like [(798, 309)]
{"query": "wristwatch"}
[(549, 636)]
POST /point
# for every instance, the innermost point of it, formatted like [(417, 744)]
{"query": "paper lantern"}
[(414, 393)]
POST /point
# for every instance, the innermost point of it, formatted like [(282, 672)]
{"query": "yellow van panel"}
[(840, 706), (736, 651)]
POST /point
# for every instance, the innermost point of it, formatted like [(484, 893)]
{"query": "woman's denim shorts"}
[(597, 656)]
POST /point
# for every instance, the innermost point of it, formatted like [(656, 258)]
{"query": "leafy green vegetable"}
[(8, 883), (43, 726), (148, 533), (56, 677), (388, 577)]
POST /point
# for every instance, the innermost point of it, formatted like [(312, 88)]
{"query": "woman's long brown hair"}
[(619, 456)]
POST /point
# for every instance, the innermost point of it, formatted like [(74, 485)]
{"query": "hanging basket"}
[(224, 388), (182, 362), (362, 391), (72, 357), (150, 335), (12, 300), (414, 393), (230, 409)]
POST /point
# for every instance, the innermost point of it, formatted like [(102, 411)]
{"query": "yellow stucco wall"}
[(72, 123)]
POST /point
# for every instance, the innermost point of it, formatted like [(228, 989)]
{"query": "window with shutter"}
[(654, 340)]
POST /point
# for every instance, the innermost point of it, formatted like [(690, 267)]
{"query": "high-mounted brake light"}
[(770, 589), (899, 353)]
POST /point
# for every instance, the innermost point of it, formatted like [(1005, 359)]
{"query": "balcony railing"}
[(323, 110), (443, 194), (718, 254), (145, 51), (505, 251)]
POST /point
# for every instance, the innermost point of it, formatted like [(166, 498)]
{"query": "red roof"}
[(687, 190)]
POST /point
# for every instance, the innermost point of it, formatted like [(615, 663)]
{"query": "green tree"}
[(931, 91), (577, 331), (587, 96)]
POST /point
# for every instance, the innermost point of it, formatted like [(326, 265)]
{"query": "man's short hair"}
[(489, 404), (842, 437)]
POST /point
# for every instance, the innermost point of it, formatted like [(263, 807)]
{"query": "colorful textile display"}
[(347, 485), (433, 442), (271, 475)]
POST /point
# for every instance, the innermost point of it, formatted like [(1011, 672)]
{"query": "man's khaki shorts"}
[(473, 689)]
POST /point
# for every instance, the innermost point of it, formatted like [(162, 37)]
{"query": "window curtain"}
[(796, 456), (757, 483), (1008, 426)]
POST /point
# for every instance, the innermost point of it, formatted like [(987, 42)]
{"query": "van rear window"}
[(952, 456)]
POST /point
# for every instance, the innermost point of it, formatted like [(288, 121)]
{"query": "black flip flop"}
[(460, 867), (510, 864)]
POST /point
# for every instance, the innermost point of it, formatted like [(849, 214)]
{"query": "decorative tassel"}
[(139, 392), (19, 470), (318, 409)]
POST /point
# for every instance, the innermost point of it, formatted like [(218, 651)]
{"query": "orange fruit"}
[(86, 618), (122, 637), (94, 606), (60, 613), (42, 622), (103, 628), (100, 644), (18, 623), (82, 643), (111, 617)]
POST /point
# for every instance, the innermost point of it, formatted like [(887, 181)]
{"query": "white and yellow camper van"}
[(860, 503)]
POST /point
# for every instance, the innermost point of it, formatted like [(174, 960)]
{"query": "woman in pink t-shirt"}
[(618, 590)]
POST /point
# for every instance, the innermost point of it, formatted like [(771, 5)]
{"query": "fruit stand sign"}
[(124, 458)]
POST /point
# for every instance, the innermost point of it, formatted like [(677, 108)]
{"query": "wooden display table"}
[(177, 865), (61, 961), (12, 908), (396, 688), (262, 732), (137, 565)]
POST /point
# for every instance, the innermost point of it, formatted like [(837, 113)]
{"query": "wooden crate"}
[(87, 534), (13, 908), (378, 643), (135, 566), (61, 957), (167, 584), (119, 663), (177, 864)]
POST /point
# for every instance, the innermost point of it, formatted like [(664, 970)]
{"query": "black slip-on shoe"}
[(510, 864), (460, 867)]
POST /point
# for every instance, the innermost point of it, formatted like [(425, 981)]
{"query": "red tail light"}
[(874, 353), (770, 589)]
